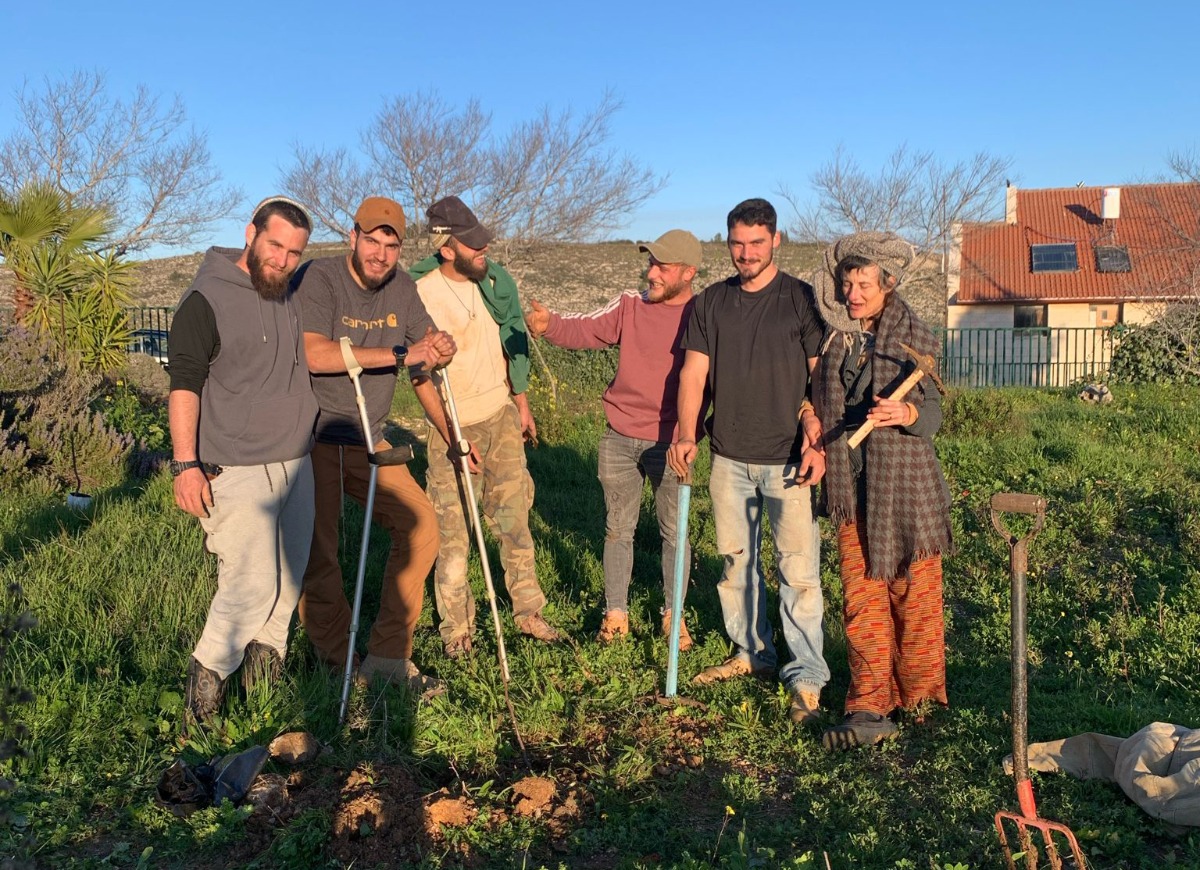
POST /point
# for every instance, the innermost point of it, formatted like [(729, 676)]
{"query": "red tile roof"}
[(1158, 223)]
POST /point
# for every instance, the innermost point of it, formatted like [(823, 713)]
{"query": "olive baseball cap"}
[(379, 211), (450, 216), (675, 246)]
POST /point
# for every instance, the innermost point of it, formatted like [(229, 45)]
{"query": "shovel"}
[(1027, 820)]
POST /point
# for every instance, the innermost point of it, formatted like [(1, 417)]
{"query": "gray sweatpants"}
[(259, 528)]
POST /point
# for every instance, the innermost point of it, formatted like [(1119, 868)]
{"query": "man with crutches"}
[(476, 300), (363, 298)]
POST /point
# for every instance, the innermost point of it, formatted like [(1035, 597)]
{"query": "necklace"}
[(454, 293)]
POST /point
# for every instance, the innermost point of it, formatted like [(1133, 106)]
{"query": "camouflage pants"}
[(506, 491)]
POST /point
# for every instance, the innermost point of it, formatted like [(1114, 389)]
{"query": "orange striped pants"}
[(895, 631)]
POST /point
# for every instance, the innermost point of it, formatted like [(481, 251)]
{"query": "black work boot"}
[(261, 662), (205, 691)]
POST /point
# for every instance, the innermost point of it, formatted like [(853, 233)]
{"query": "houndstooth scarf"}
[(908, 503)]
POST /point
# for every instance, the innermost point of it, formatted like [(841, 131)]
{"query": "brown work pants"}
[(895, 631), (402, 508)]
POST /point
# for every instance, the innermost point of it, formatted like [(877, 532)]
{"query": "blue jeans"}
[(624, 465), (739, 493)]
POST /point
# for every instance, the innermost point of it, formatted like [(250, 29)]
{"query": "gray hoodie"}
[(257, 404)]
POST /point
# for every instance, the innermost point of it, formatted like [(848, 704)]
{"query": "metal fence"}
[(150, 318), (1056, 357), (1042, 357)]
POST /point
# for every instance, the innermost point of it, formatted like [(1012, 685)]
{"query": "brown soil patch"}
[(446, 811), (534, 795), (295, 747)]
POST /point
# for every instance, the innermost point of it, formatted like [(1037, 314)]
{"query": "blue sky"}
[(728, 99)]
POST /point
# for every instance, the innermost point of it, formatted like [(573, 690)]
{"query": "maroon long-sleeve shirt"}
[(641, 400)]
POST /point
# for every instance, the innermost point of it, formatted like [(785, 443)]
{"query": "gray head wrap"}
[(887, 250)]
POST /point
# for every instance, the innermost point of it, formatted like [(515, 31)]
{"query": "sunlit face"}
[(667, 280), (864, 295), (273, 255), (752, 249), (373, 256), (470, 263)]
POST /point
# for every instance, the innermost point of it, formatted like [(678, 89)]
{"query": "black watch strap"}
[(178, 468), (400, 352)]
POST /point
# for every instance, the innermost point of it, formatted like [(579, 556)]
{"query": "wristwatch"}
[(399, 351), (178, 468)]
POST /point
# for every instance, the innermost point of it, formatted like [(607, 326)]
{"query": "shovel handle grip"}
[(1018, 503)]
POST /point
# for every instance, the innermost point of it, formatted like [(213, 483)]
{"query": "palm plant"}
[(63, 288)]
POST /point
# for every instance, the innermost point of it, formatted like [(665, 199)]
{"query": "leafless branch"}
[(331, 184), (550, 178), (913, 193), (138, 158)]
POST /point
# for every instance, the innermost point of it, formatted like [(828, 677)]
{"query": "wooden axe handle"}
[(897, 394)]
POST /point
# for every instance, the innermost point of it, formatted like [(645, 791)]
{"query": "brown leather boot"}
[(614, 625), (685, 639), (205, 692), (261, 662)]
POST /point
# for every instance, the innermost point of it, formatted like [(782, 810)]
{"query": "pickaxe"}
[(925, 364)]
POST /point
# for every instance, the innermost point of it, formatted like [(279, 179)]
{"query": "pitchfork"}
[(1019, 503)]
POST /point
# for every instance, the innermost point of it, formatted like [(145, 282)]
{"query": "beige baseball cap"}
[(675, 246)]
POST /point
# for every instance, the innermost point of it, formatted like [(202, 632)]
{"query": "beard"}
[(465, 265), (368, 282), (750, 271), (668, 291), (271, 285)]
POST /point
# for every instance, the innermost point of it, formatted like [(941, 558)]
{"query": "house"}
[(1076, 257), (1027, 297)]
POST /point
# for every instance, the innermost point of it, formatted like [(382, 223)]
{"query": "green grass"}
[(1114, 623)]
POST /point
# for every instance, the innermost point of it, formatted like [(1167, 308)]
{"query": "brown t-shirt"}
[(335, 306)]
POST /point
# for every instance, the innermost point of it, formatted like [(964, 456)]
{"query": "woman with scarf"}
[(887, 496)]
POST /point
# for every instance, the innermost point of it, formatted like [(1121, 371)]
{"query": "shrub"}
[(133, 412), (48, 427), (977, 413), (1156, 353)]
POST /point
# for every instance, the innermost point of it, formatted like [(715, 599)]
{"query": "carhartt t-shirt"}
[(757, 346), (335, 306)]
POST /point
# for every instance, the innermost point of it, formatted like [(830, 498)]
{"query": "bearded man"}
[(476, 299), (640, 408), (361, 296), (241, 413)]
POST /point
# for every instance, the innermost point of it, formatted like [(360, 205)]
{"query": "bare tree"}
[(1185, 163), (137, 158), (913, 193), (332, 184), (424, 149), (551, 178)]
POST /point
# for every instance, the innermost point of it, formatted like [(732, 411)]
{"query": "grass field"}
[(617, 779)]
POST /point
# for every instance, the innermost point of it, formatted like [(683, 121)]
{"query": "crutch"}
[(394, 456), (463, 448), (681, 539)]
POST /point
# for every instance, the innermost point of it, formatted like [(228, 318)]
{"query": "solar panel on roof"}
[(1053, 258), (1113, 258)]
